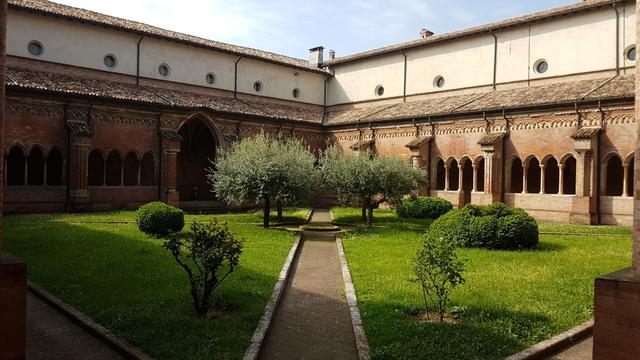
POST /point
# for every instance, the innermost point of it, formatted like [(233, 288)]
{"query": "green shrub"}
[(491, 227), (423, 207), (517, 231), (158, 219)]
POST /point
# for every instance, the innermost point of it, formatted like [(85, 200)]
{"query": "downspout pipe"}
[(404, 84), (495, 59), (138, 60), (504, 160), (598, 166), (235, 78)]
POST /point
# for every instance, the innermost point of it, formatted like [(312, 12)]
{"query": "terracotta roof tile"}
[(491, 138), (361, 144), (422, 108), (170, 134), (585, 132), (112, 90), (487, 28), (77, 14), (417, 142), (79, 128)]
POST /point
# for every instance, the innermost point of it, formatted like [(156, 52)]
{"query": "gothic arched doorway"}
[(197, 150)]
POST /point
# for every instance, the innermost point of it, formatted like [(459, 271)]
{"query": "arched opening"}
[(197, 150), (148, 170), (96, 168), (467, 179), (114, 169), (569, 176), (54, 168), (516, 175), (615, 176), (630, 169), (454, 175), (440, 175), (35, 167), (551, 176), (480, 174), (533, 176), (130, 176), (16, 162)]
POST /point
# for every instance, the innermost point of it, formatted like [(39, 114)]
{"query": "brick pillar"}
[(617, 295), (13, 272), (581, 211), (78, 174), (169, 176)]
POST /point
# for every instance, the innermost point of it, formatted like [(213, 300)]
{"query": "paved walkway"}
[(312, 320), (580, 351), (52, 336)]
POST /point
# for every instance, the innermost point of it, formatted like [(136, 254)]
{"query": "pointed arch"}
[(568, 174), (440, 174), (16, 166), (96, 168), (147, 170), (113, 172), (480, 173), (55, 163), (532, 169), (614, 175), (35, 166), (516, 174), (551, 175), (130, 169)]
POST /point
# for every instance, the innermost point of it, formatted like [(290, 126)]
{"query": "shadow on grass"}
[(481, 333), (132, 286)]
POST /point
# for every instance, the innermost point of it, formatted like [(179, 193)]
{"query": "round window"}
[(211, 78), (379, 90), (631, 53), (110, 61), (257, 86), (35, 48), (164, 70), (541, 66), (439, 82), (295, 93)]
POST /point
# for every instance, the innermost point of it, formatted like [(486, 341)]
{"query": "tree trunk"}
[(370, 216), (266, 211), (279, 207), (364, 213)]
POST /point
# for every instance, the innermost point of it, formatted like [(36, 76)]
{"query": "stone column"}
[(560, 179), (446, 177), (524, 178), (542, 187), (415, 161), (169, 174), (460, 175), (475, 176)]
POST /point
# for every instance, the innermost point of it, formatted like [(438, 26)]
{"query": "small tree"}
[(438, 270), (264, 169), (209, 253), (368, 180)]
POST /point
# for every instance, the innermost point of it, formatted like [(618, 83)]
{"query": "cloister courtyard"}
[(125, 282)]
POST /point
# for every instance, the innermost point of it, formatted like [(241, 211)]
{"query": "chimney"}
[(315, 55), (332, 54), (425, 33)]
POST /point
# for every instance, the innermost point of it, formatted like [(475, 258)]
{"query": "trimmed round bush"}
[(517, 231), (158, 219), (491, 227), (423, 207)]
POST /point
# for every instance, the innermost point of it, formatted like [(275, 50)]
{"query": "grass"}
[(381, 217), (510, 301), (131, 285), (293, 215)]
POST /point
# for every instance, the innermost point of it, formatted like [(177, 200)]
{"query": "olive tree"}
[(368, 180), (264, 168)]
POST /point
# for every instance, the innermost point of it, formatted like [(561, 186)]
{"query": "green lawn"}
[(511, 299), (131, 285)]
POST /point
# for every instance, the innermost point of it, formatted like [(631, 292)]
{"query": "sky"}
[(291, 27)]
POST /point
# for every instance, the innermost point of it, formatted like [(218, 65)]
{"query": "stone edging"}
[(361, 339), (85, 322), (559, 342), (269, 310)]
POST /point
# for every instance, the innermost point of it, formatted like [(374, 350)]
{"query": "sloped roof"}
[(487, 28), (491, 138), (50, 8), (20, 78), (417, 142), (585, 132)]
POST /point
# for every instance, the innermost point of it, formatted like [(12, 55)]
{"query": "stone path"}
[(50, 335), (580, 351), (312, 320)]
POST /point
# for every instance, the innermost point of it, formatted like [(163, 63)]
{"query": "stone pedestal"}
[(616, 334), (13, 308)]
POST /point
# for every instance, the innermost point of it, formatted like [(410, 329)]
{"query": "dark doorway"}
[(480, 175), (96, 168), (454, 175), (569, 176), (516, 176), (551, 177), (16, 162), (615, 175), (533, 176), (35, 167), (440, 175), (197, 150), (54, 167)]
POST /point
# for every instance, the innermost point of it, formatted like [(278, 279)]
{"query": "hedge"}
[(158, 219), (491, 227), (423, 207)]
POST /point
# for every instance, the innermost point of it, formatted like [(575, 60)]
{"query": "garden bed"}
[(510, 301), (132, 286)]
